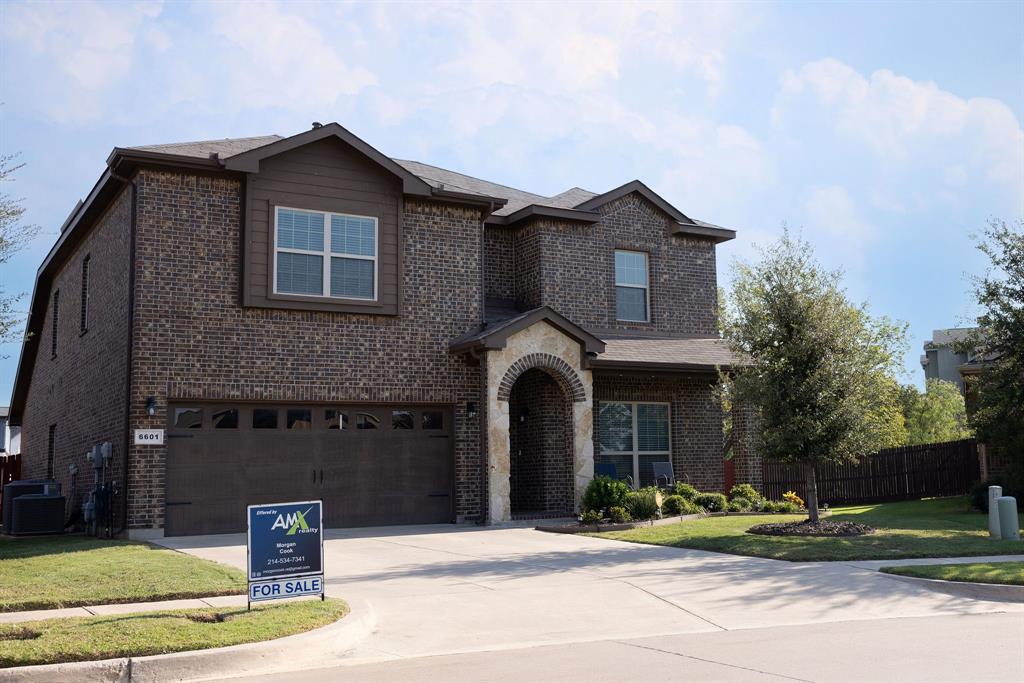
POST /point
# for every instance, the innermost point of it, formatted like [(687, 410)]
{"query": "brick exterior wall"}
[(194, 340), (82, 390), (571, 267), (695, 416), (499, 263), (746, 462), (541, 475)]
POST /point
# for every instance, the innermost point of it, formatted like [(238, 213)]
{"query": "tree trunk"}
[(812, 494)]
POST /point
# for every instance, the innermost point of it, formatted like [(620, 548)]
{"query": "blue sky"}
[(887, 132)]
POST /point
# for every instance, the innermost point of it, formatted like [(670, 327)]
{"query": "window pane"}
[(631, 268), (433, 419), (402, 419), (652, 427), (335, 419), (300, 230), (264, 418), (352, 235), (299, 273), (367, 421), (352, 278), (300, 418), (631, 303), (188, 418), (616, 428), (225, 419)]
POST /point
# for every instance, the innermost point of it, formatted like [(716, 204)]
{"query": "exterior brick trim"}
[(561, 371)]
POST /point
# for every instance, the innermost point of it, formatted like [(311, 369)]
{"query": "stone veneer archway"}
[(547, 348)]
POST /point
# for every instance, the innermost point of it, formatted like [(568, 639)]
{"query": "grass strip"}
[(80, 639), (1007, 573)]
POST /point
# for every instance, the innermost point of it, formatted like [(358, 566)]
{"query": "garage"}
[(371, 465)]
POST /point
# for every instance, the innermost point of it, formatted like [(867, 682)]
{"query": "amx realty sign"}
[(286, 550)]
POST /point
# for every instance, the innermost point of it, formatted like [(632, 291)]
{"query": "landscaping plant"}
[(618, 514), (739, 504), (744, 491), (590, 517), (643, 504), (712, 502), (686, 491), (677, 505), (603, 493), (819, 371), (791, 497)]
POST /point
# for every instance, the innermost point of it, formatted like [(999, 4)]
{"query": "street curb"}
[(319, 648), (965, 589)]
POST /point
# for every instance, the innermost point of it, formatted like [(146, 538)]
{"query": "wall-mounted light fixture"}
[(151, 406), (470, 409)]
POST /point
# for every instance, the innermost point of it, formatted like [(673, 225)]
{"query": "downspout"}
[(131, 344)]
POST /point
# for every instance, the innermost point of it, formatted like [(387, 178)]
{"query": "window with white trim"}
[(632, 300), (633, 436), (324, 254)]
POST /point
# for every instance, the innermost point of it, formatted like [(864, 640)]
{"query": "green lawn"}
[(135, 635), (70, 571), (939, 527), (978, 572)]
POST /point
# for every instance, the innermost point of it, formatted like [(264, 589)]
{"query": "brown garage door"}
[(371, 465)]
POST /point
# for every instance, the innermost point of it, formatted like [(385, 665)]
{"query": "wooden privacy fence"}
[(905, 473), (10, 469)]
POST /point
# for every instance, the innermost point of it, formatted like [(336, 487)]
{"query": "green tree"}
[(819, 369), (937, 415), (14, 236), (998, 417)]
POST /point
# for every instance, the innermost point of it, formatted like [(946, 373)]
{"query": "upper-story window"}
[(53, 330), (632, 302), (325, 254), (83, 322)]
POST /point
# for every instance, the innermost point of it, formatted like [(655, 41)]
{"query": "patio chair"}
[(608, 469), (663, 474)]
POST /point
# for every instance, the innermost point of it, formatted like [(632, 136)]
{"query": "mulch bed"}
[(822, 527)]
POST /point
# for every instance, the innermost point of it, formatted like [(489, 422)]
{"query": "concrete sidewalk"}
[(123, 608)]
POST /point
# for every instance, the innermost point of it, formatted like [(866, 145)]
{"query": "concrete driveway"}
[(454, 589)]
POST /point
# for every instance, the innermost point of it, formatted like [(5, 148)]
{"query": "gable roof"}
[(496, 336)]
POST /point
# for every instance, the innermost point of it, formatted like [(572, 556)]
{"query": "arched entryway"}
[(541, 450)]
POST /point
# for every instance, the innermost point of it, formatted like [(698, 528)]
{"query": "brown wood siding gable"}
[(326, 175)]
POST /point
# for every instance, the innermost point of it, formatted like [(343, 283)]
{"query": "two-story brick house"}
[(308, 318)]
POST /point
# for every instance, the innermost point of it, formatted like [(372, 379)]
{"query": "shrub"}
[(769, 506), (739, 504), (590, 517), (677, 505), (979, 493), (603, 493), (791, 497), (643, 504), (745, 491), (787, 506), (712, 502), (618, 514), (686, 491)]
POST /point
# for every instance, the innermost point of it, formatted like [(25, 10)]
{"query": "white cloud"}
[(907, 122)]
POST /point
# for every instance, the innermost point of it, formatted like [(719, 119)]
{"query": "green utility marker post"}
[(994, 493)]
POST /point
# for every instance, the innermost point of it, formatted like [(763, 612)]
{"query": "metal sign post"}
[(285, 549)]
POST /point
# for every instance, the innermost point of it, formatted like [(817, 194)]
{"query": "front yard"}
[(71, 571), (940, 527)]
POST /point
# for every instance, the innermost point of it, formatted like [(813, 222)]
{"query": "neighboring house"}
[(942, 357), (310, 319), (10, 437)]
